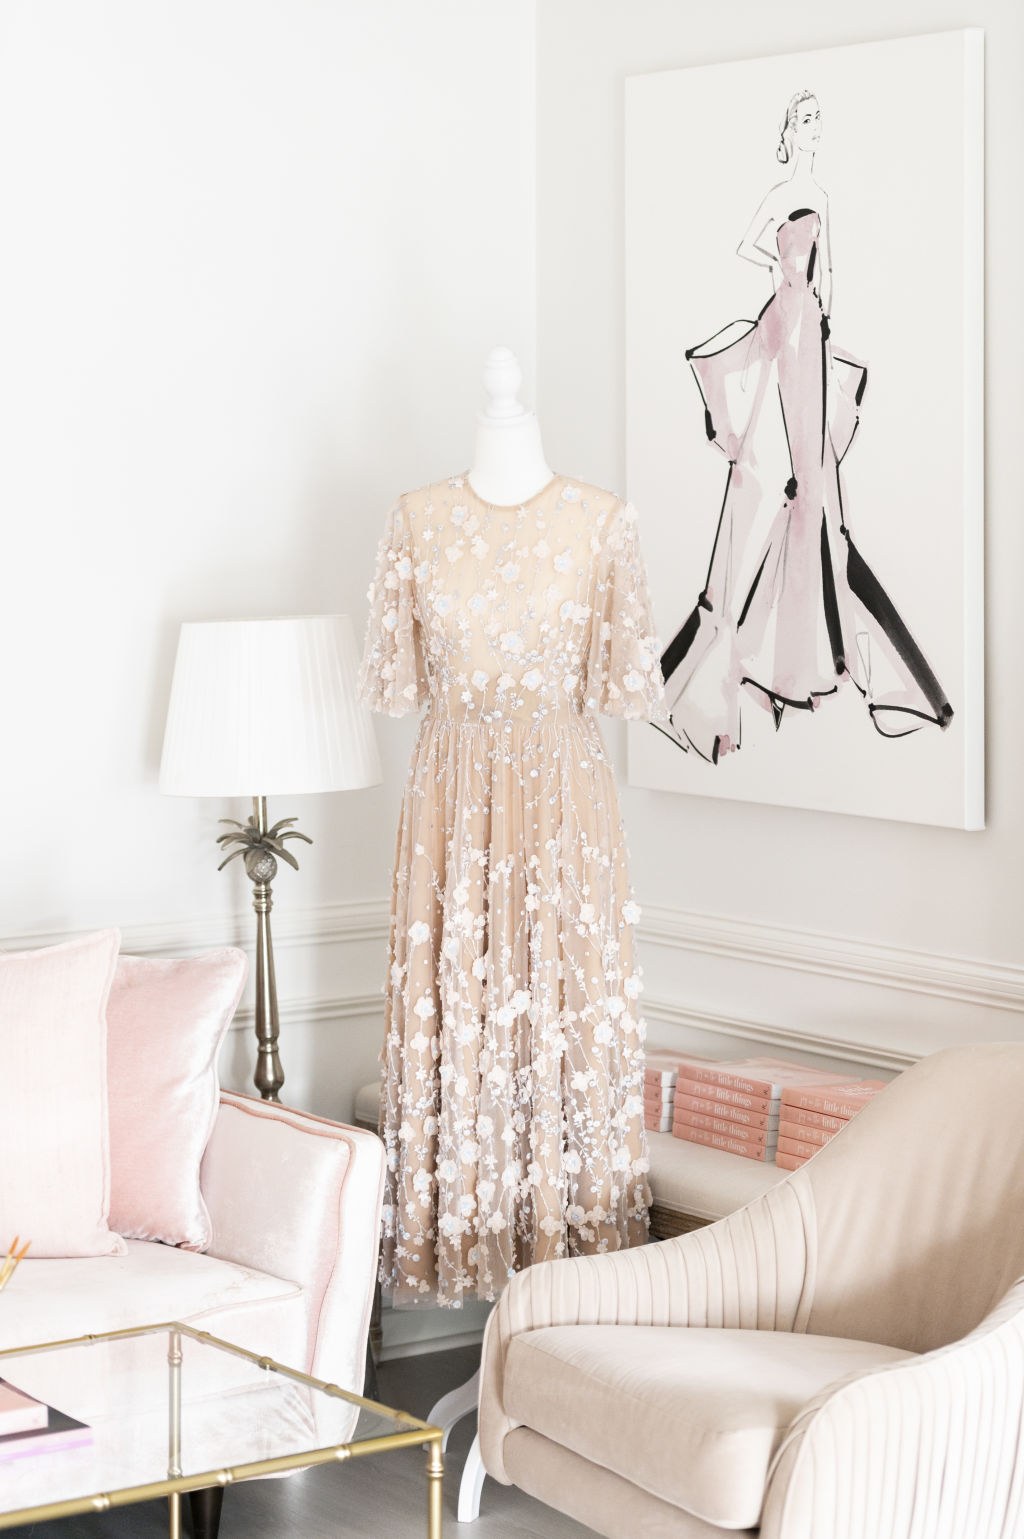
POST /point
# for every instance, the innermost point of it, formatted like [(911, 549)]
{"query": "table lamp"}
[(266, 708)]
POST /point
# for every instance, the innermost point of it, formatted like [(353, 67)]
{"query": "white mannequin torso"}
[(508, 458)]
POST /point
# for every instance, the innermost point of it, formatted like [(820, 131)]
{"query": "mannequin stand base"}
[(449, 1410)]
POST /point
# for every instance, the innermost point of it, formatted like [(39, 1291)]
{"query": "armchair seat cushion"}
[(692, 1416)]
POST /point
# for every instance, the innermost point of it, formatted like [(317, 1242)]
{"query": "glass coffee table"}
[(167, 1410)]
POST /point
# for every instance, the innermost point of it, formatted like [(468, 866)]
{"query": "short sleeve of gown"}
[(393, 675), (624, 668)]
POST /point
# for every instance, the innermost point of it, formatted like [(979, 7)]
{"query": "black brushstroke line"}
[(753, 589), (865, 586), (789, 446), (697, 351), (684, 638), (680, 644), (824, 395), (831, 602), (806, 704)]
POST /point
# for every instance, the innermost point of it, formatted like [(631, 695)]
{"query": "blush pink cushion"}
[(166, 1022), (54, 1154)]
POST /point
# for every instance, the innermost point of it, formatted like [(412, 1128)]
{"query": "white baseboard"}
[(442, 1342)]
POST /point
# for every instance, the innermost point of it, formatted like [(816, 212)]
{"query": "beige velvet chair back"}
[(919, 1204)]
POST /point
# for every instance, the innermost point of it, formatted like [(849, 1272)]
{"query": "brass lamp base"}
[(261, 846)]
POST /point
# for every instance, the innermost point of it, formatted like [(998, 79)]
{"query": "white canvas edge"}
[(974, 428)]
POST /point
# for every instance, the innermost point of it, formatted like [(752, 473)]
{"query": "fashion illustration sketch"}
[(791, 612)]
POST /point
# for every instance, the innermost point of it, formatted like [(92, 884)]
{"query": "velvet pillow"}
[(54, 1153), (166, 1021)]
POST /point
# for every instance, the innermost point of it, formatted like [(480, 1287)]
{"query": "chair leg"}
[(206, 1506), (471, 1485), (451, 1408)]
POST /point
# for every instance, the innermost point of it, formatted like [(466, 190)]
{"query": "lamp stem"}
[(269, 1076)]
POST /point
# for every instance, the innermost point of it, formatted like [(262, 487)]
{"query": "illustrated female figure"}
[(790, 610)]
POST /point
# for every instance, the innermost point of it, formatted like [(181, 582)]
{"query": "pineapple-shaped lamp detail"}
[(261, 846), (266, 708)]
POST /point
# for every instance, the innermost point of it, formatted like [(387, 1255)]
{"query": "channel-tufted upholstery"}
[(906, 1234)]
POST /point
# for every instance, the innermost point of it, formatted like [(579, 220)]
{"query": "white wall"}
[(893, 905), (254, 254)]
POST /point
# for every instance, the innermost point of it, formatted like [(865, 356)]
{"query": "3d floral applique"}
[(512, 1089)]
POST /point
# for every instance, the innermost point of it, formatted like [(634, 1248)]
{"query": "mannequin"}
[(513, 603), (508, 460), (509, 467)]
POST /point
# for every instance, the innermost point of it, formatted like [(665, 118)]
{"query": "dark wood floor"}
[(380, 1497)]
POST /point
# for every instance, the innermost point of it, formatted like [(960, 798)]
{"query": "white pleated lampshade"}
[(267, 708)]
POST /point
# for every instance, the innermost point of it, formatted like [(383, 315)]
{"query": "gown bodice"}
[(797, 242), (536, 614)]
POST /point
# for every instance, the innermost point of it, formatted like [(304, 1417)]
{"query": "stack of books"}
[(660, 1074), (735, 1105), (29, 1426), (812, 1115)]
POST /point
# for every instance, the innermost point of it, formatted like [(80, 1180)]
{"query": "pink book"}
[(60, 1434), (796, 1116), (798, 1146), (741, 1146), (756, 1137), (657, 1102), (767, 1077), (738, 1114), (18, 1412), (725, 1094), (841, 1100), (788, 1161), (804, 1134), (658, 1123)]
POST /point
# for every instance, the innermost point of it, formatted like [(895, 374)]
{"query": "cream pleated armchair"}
[(841, 1359)]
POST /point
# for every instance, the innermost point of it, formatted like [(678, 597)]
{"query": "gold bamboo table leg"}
[(174, 1433), (435, 1487)]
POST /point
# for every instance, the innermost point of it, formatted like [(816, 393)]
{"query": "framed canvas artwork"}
[(804, 241)]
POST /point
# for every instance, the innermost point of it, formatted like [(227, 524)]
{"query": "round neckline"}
[(511, 507)]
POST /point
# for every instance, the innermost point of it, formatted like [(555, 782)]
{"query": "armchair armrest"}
[(929, 1446), (752, 1270), (299, 1197)]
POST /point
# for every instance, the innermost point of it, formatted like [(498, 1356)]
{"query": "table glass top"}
[(125, 1415)]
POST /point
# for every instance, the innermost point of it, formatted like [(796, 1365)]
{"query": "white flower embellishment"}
[(419, 931)]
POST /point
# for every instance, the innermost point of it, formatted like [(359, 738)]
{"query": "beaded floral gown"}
[(512, 1084)]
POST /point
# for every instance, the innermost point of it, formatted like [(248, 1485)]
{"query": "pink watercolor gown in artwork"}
[(790, 609)]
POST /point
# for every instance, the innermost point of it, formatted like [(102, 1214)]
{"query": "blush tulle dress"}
[(512, 1088), (790, 610)]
